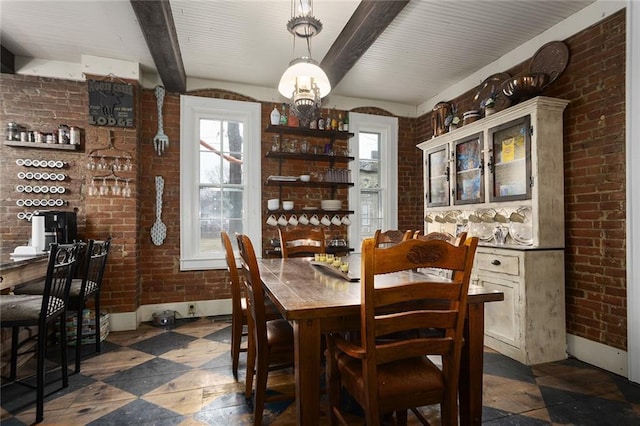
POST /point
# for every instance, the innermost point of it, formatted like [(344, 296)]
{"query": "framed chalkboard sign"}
[(111, 103)]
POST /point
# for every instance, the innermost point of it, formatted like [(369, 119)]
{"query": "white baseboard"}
[(594, 353), (203, 308)]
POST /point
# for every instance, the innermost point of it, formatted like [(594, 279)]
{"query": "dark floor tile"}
[(631, 391), (222, 335), (140, 412), (147, 376), (553, 396), (162, 343), (516, 420), (490, 414), (594, 412), (12, 421), (236, 415), (500, 365)]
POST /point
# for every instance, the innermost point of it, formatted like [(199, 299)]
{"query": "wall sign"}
[(110, 104)]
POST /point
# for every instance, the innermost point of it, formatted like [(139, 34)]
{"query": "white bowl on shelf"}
[(331, 204)]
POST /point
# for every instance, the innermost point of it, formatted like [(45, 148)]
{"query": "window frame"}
[(192, 110), (387, 128)]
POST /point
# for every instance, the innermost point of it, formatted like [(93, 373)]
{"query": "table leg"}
[(307, 371), (470, 385)]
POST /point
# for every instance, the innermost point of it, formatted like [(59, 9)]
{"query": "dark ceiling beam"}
[(368, 21), (8, 61), (156, 21)]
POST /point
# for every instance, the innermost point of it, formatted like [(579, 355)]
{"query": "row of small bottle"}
[(323, 123)]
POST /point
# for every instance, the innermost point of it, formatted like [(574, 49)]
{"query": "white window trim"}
[(192, 108), (387, 127)]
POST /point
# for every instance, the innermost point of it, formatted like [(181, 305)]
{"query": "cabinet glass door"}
[(510, 177), (437, 161), (469, 174)]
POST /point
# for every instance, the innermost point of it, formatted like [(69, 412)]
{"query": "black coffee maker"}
[(59, 227)]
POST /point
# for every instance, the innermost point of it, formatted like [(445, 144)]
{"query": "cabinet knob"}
[(495, 262)]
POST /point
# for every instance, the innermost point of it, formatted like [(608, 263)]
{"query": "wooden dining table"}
[(20, 270), (316, 301)]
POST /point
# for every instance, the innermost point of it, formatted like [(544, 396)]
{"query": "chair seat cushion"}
[(20, 308), (74, 292), (279, 335), (417, 377)]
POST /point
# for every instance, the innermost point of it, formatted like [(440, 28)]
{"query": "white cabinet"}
[(504, 174), (529, 325)]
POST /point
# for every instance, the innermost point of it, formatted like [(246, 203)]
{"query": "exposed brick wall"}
[(594, 170), (141, 273)]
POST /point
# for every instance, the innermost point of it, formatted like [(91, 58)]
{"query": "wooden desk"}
[(22, 270), (315, 303)]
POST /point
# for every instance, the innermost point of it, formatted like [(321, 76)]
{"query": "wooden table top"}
[(304, 291), (19, 270)]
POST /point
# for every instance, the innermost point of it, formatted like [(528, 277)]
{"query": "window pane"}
[(371, 217), (221, 181), (369, 178)]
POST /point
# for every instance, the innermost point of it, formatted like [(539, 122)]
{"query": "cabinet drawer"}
[(503, 264)]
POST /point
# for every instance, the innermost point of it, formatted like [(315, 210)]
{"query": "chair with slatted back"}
[(239, 305), (301, 241), (92, 264), (443, 236), (395, 375), (271, 345), (41, 311), (390, 237)]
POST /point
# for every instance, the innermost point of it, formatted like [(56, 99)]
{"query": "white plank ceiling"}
[(429, 46)]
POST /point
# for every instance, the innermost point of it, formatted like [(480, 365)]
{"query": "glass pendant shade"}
[(303, 75)]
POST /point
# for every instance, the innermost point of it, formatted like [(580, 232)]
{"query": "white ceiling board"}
[(434, 44), (430, 46)]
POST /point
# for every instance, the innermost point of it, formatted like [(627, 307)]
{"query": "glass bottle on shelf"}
[(275, 116), (283, 115), (345, 123)]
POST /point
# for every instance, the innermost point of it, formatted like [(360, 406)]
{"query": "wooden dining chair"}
[(395, 375), (91, 264), (444, 236), (271, 344), (301, 241), (41, 311), (390, 237), (239, 305)]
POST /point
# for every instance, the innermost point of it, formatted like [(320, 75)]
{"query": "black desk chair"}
[(92, 266), (41, 311)]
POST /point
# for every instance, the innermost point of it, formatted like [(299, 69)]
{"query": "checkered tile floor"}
[(182, 376)]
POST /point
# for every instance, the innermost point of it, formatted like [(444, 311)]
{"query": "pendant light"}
[(304, 82)]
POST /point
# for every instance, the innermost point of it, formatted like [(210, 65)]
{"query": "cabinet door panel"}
[(510, 146), (469, 170), (502, 319), (438, 176)]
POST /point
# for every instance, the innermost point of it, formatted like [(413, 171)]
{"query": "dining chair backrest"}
[(95, 262), (444, 236), (389, 370), (254, 292), (301, 241), (60, 272), (390, 237), (234, 276)]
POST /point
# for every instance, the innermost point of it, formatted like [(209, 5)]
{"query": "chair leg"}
[(40, 356), (236, 337), (15, 332), (98, 323), (78, 347), (251, 363), (64, 364), (262, 372)]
